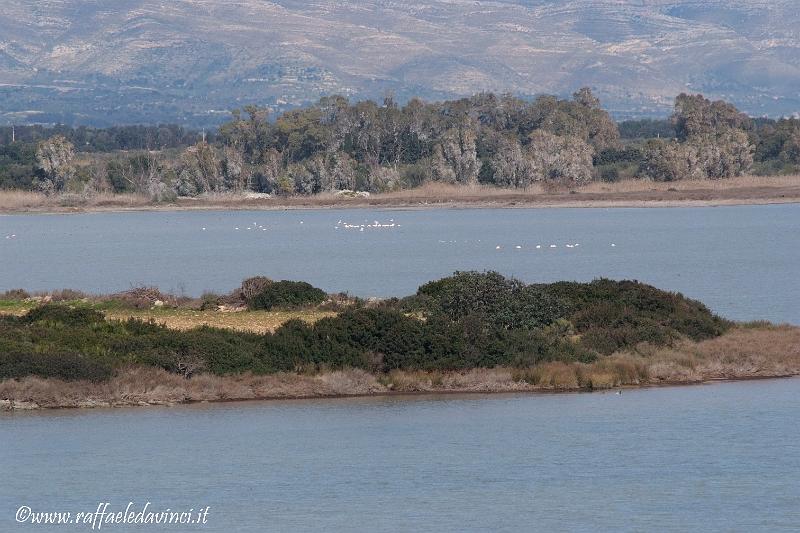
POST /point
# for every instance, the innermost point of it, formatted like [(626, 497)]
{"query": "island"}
[(470, 332)]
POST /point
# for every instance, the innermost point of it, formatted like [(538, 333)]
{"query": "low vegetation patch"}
[(286, 295), (552, 333)]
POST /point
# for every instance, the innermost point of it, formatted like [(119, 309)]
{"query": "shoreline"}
[(743, 354), (15, 406), (741, 191)]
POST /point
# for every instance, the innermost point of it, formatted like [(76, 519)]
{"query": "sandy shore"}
[(738, 191), (743, 353)]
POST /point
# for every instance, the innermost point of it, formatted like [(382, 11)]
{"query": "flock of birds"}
[(256, 226), (341, 224), (362, 227), (539, 246), (520, 247)]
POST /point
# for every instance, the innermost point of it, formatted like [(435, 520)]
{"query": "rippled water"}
[(723, 457), (741, 260)]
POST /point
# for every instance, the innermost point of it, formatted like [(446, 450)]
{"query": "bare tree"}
[(55, 157), (562, 160)]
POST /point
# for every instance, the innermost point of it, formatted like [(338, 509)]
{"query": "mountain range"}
[(103, 62)]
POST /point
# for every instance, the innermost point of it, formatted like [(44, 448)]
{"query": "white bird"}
[(301, 221), (538, 246), (497, 248), (204, 229), (570, 246), (518, 247), (237, 229), (553, 246), (612, 244)]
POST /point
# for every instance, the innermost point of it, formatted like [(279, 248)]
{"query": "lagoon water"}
[(741, 260), (722, 457)]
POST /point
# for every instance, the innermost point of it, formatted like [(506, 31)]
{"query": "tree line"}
[(337, 145)]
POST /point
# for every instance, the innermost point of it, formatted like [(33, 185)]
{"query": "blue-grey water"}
[(722, 457), (742, 261)]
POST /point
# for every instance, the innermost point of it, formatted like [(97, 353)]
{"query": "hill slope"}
[(191, 61)]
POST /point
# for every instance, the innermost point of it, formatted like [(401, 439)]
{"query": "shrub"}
[(287, 295), (209, 301), (504, 303), (62, 365), (67, 295), (15, 295), (376, 339), (61, 314), (464, 321), (142, 298), (251, 287), (611, 315)]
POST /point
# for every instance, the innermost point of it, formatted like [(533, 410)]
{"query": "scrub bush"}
[(287, 295)]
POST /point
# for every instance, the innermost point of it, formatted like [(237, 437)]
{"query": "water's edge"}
[(12, 405)]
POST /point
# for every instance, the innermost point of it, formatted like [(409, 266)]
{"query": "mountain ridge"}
[(191, 61)]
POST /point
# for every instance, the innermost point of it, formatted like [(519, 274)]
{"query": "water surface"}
[(740, 260), (723, 457)]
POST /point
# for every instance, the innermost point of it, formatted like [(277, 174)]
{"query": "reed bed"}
[(16, 200)]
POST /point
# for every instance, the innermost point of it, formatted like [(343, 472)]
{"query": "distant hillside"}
[(191, 61)]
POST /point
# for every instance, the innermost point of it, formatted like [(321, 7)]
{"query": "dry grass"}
[(15, 201), (152, 386), (497, 379), (252, 321), (18, 200), (446, 192), (741, 190), (185, 319), (749, 352), (643, 185), (744, 352)]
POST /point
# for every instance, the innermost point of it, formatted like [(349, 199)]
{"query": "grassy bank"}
[(743, 353), (629, 193), (468, 332)]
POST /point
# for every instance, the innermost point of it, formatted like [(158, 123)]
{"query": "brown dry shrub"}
[(555, 375), (67, 295), (351, 381), (144, 298), (412, 380), (252, 287), (751, 351), (15, 295)]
